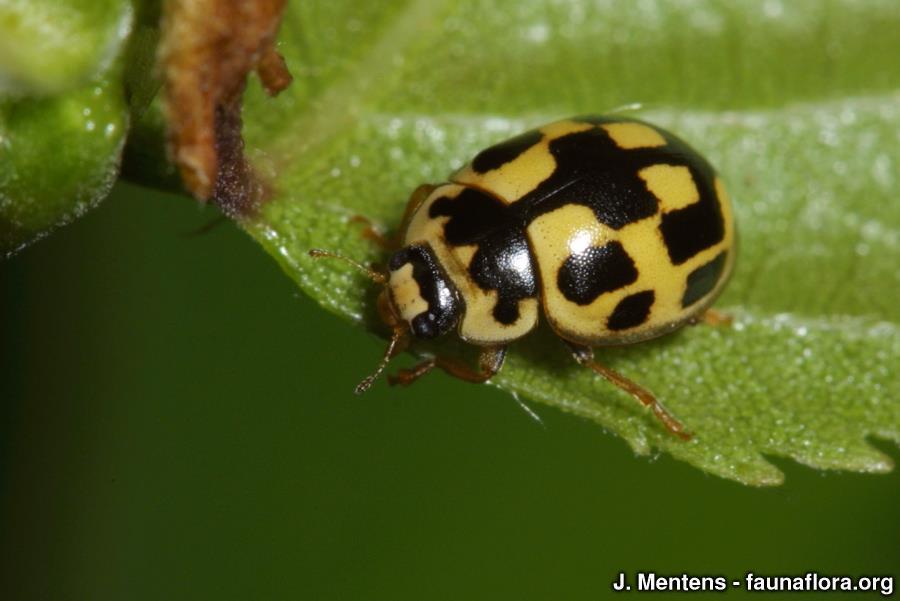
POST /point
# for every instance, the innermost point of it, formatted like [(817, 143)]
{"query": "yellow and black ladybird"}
[(615, 229)]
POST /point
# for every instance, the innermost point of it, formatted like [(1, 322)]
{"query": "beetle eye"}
[(424, 326)]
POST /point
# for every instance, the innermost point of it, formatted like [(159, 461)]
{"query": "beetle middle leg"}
[(489, 363), (713, 317), (585, 356)]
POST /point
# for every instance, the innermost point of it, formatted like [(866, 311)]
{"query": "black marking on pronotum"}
[(586, 275), (472, 214), (503, 261), (702, 280), (444, 302), (505, 152), (631, 311), (696, 227)]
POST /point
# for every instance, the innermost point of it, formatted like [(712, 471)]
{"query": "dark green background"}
[(178, 423)]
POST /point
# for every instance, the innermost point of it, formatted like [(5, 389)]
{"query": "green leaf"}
[(797, 105), (63, 112)]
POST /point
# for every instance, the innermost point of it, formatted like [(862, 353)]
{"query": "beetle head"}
[(417, 298), (420, 294)]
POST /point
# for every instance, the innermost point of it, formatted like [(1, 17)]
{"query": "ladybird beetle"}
[(615, 229)]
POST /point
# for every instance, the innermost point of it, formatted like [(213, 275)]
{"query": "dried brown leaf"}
[(207, 50)]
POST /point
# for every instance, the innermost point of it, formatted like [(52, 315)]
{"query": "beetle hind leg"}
[(489, 363), (585, 356)]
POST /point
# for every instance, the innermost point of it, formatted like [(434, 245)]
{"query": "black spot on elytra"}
[(503, 263), (591, 170), (505, 152), (696, 227), (503, 260), (631, 311), (702, 280), (594, 171), (444, 303), (586, 275)]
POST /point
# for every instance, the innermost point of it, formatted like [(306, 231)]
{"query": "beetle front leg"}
[(395, 241), (489, 363)]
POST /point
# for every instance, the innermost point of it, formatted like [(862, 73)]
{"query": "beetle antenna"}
[(378, 278), (388, 353)]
